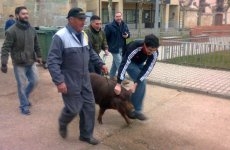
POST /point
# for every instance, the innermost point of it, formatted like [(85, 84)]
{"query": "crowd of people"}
[(74, 53)]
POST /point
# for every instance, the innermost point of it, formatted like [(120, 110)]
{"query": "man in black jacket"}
[(138, 61), (116, 34)]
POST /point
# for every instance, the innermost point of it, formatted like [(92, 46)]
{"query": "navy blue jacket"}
[(9, 23), (113, 33)]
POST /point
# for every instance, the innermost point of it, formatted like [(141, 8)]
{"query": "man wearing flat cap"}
[(67, 61)]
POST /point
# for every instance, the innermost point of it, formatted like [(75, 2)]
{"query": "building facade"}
[(41, 12), (172, 14)]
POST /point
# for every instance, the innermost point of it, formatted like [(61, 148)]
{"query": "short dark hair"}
[(95, 17), (151, 41), (11, 15), (18, 9)]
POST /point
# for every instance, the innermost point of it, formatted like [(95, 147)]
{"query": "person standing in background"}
[(116, 34), (97, 39), (22, 43), (9, 22)]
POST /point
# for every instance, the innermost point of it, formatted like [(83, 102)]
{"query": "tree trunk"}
[(110, 10), (140, 18)]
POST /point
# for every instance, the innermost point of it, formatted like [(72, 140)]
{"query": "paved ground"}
[(205, 81), (178, 120)]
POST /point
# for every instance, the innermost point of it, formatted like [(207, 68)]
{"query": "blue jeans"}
[(138, 96), (117, 57), (27, 79)]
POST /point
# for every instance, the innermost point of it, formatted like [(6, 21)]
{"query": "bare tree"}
[(219, 12), (201, 9), (226, 7), (140, 7)]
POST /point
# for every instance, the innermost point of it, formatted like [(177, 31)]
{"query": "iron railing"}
[(211, 52)]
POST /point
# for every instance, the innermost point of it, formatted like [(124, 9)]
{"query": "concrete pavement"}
[(200, 80)]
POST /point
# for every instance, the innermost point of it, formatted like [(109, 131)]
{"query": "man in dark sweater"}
[(97, 39), (22, 44), (138, 61)]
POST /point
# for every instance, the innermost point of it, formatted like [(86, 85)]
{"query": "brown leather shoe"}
[(91, 140)]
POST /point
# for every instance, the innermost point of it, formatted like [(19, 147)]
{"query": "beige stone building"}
[(42, 12), (172, 14), (130, 10)]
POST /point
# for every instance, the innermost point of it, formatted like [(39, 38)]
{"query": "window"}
[(105, 15), (129, 16)]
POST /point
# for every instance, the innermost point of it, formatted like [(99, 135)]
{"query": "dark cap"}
[(76, 12)]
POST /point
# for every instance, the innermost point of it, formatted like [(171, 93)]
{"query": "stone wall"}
[(211, 31), (44, 13)]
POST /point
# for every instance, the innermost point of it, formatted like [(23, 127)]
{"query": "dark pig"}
[(105, 97)]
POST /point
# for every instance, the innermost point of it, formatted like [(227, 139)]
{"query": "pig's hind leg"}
[(122, 111), (101, 112)]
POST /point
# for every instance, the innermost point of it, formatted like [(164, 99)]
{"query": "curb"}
[(187, 89)]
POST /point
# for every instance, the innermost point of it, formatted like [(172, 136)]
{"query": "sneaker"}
[(91, 140), (63, 131), (131, 114), (25, 112), (134, 115), (140, 116)]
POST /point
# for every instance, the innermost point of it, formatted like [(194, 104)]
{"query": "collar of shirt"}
[(71, 29)]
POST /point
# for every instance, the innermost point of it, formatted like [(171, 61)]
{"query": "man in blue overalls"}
[(68, 61)]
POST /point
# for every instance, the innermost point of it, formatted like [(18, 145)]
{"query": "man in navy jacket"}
[(9, 22), (116, 34), (138, 61)]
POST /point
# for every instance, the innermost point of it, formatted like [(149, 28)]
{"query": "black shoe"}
[(29, 104), (63, 131), (140, 116), (131, 114), (91, 140), (25, 112)]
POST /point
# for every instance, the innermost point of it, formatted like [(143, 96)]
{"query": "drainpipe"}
[(136, 17), (99, 8), (156, 32)]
